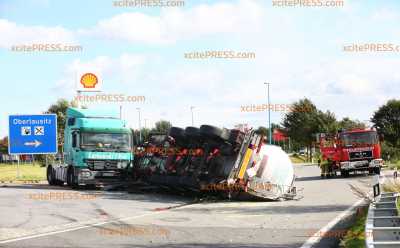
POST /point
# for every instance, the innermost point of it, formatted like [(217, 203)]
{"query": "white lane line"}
[(313, 240), (317, 236), (83, 227)]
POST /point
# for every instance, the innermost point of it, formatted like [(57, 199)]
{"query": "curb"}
[(21, 182)]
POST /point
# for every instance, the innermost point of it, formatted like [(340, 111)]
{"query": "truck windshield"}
[(106, 141), (359, 139)]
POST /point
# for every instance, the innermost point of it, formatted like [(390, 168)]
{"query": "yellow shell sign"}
[(89, 80)]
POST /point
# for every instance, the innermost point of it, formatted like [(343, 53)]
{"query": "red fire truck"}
[(351, 150)]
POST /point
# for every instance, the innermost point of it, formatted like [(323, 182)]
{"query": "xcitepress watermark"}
[(134, 231), (46, 47), (102, 98), (149, 3), (220, 55), (273, 107), (371, 47), (308, 3), (62, 196)]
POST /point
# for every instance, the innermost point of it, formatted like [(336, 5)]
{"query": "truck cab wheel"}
[(50, 175), (344, 173), (59, 183), (71, 178)]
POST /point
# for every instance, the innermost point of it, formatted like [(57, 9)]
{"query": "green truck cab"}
[(97, 149)]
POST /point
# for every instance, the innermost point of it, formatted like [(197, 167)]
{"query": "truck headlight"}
[(85, 174), (122, 164)]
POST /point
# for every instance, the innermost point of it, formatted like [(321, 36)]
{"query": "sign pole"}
[(18, 167)]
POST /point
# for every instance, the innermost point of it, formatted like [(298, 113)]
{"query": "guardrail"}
[(382, 228)]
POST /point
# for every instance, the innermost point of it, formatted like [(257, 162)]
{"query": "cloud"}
[(385, 14), (175, 24), (14, 34)]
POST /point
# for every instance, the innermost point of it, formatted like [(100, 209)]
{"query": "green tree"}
[(387, 121), (347, 123), (304, 121), (162, 126), (60, 109), (264, 130), (4, 145)]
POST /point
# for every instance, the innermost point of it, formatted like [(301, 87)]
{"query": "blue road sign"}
[(32, 134)]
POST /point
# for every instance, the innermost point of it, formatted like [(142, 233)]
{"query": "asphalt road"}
[(118, 219)]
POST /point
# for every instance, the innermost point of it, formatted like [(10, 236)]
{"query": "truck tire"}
[(236, 136), (192, 132), (71, 179), (50, 175), (344, 173), (211, 132), (158, 140), (225, 134), (178, 134)]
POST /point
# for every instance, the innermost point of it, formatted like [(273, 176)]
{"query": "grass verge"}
[(8, 172), (355, 236), (297, 159), (391, 186)]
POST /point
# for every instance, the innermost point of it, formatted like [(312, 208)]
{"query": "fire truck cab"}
[(351, 150)]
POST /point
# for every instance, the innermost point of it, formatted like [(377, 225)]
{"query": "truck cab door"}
[(72, 153)]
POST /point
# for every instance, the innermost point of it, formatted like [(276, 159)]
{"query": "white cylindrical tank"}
[(272, 174)]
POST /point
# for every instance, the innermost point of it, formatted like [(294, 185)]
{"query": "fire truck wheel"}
[(50, 175), (344, 173)]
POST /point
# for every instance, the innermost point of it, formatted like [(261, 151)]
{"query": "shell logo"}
[(89, 80)]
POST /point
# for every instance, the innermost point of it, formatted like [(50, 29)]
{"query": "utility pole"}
[(269, 115), (191, 110), (140, 128)]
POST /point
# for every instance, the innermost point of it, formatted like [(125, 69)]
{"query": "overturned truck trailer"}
[(210, 159)]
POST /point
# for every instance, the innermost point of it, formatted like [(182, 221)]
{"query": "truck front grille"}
[(94, 164), (360, 155)]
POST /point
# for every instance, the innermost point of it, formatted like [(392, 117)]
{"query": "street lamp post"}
[(140, 128), (191, 110), (269, 115)]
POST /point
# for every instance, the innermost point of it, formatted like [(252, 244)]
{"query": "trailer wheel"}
[(236, 136), (50, 175), (192, 132), (212, 132), (178, 134)]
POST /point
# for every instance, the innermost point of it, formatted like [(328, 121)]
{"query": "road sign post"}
[(32, 134)]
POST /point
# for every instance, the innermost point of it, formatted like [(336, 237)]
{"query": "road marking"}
[(85, 226), (316, 237)]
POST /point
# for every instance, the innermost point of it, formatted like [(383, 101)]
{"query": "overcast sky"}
[(140, 52)]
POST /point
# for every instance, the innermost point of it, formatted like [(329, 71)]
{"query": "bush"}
[(390, 153)]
